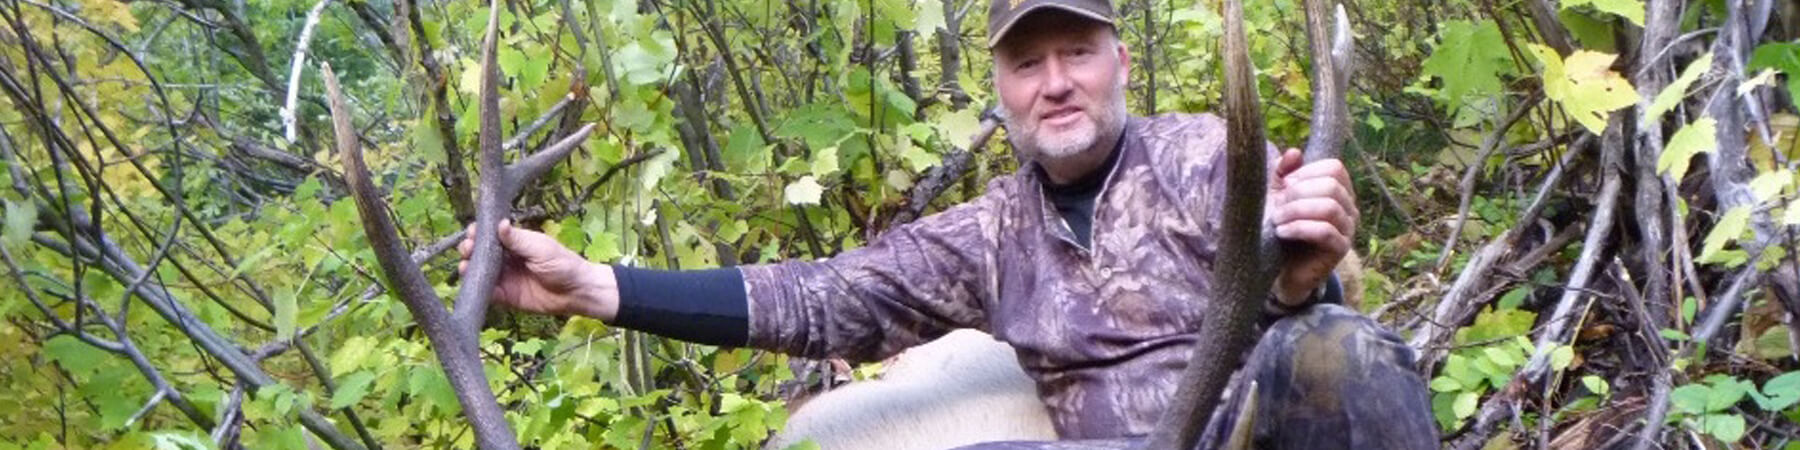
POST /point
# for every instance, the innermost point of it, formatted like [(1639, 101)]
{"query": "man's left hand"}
[(1313, 204)]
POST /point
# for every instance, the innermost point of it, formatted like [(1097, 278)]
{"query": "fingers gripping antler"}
[(454, 336), (499, 185), (1243, 286)]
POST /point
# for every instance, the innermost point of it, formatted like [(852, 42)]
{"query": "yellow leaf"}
[(1695, 138), (1764, 78), (1670, 96), (1585, 85), (1765, 186), (1731, 225)]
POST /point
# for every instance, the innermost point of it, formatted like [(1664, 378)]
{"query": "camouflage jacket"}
[(1104, 331)]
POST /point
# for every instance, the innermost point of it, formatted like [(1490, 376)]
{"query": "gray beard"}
[(1108, 125)]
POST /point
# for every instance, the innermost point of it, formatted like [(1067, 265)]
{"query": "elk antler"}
[(1244, 285), (455, 337)]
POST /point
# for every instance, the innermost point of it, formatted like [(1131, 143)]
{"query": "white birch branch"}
[(289, 113)]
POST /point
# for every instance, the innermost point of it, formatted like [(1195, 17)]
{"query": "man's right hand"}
[(542, 276)]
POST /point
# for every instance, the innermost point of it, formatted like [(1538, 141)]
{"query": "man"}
[(1089, 261)]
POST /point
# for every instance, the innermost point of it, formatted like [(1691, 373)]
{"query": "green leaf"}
[(1465, 404), (1765, 186), (351, 354), (653, 170), (1731, 225), (529, 347), (287, 311), (899, 13), (804, 191), (602, 243), (1782, 56), (1459, 368), (291, 437), (825, 162), (647, 59), (1495, 324), (1562, 357), (1632, 10), (1695, 138), (1780, 392), (745, 151), (1445, 384), (930, 18), (819, 125), (1585, 85), (1689, 306), (1791, 213), (351, 389), (1672, 95), (1674, 335), (1441, 409), (1514, 298), (1595, 384), (1727, 427), (1690, 398), (1726, 391), (1593, 33), (1500, 357), (20, 217), (1469, 60), (75, 356), (510, 59), (919, 159), (178, 440)]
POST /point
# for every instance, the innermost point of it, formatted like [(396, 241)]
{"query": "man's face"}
[(1061, 79)]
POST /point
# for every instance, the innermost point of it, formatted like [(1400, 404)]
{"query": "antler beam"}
[(455, 336), (1243, 287)]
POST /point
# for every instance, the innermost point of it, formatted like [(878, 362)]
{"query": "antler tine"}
[(404, 276), (1330, 45), (490, 205), (527, 170)]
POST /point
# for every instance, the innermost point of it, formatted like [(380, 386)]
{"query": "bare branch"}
[(519, 138), (1488, 146), (1461, 303), (945, 174), (289, 114)]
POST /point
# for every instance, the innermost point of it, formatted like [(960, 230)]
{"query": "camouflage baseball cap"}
[(1003, 14)]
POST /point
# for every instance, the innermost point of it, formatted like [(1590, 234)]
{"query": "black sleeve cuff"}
[(1332, 292), (700, 306)]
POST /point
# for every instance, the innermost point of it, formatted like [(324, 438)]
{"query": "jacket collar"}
[(1129, 142)]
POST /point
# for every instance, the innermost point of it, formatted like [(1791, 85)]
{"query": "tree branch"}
[(288, 111)]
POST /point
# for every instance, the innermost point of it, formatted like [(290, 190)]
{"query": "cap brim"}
[(994, 39)]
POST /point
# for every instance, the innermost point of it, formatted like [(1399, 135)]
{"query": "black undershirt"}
[(1074, 201)]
